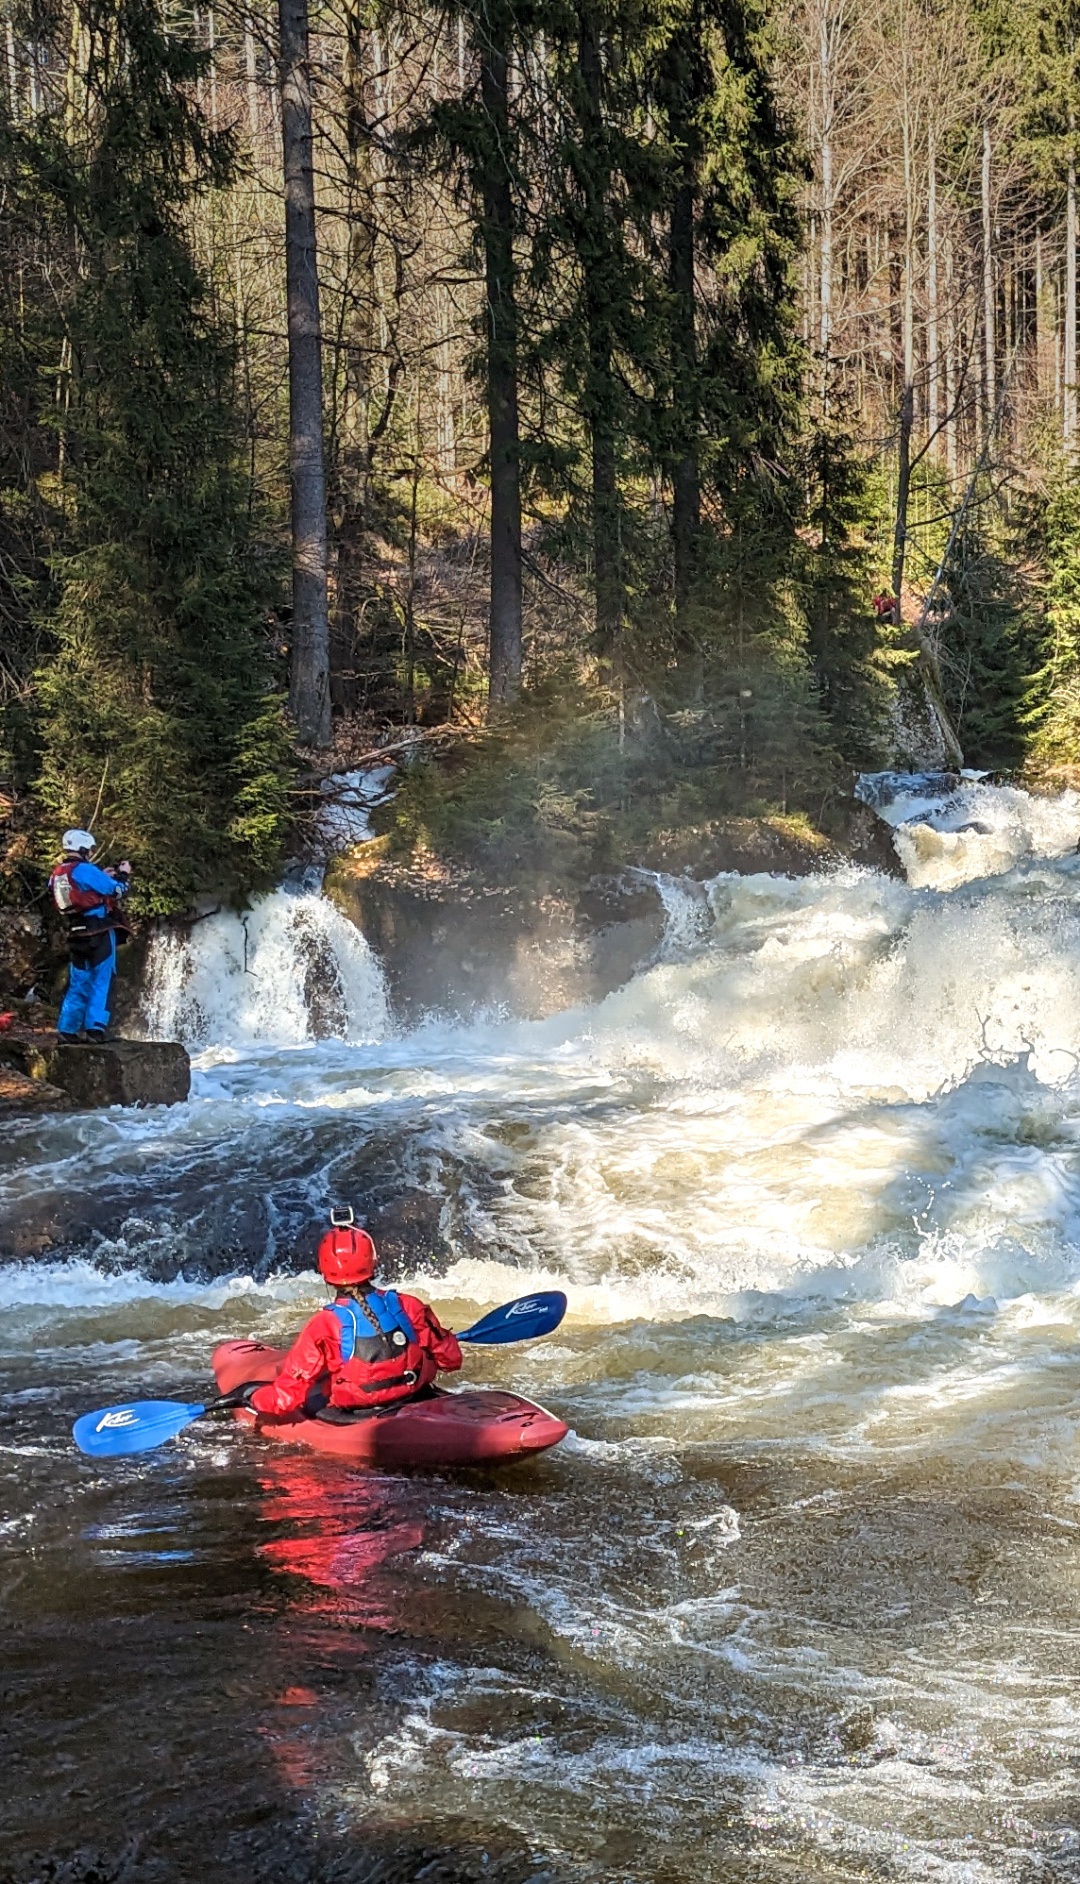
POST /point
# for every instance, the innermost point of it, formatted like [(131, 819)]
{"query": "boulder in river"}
[(122, 1073)]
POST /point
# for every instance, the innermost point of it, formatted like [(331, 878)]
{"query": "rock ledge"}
[(122, 1073)]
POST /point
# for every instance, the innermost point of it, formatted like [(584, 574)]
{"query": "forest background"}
[(698, 396)]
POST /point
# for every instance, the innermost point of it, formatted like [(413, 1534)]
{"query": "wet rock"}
[(878, 789), (21, 1096), (453, 943), (856, 1733), (624, 896), (867, 841), (408, 1233), (747, 846), (28, 1051), (21, 933), (122, 1073)]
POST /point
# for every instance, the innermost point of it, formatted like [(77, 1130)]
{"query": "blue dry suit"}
[(93, 956)]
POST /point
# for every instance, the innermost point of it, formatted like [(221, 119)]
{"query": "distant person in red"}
[(370, 1347)]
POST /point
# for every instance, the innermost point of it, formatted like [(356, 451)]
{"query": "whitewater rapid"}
[(811, 1182)]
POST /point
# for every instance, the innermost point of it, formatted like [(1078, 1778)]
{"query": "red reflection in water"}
[(344, 1534), (341, 1528)]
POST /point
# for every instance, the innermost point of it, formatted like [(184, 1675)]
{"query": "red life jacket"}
[(381, 1358), (70, 898)]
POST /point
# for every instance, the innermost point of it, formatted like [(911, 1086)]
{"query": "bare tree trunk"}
[(211, 46), (1056, 335), (686, 491), (989, 322), (907, 389), (351, 463), (1069, 370), (907, 309), (310, 677), (933, 332), (12, 68), (599, 401), (682, 262), (826, 243), (950, 375), (504, 674), (445, 399), (1040, 311), (252, 81), (903, 492), (275, 90)]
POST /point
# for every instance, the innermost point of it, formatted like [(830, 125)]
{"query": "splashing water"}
[(292, 969), (798, 1597), (952, 831)]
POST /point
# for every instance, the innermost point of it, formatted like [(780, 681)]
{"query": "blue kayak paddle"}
[(144, 1424), (524, 1320)]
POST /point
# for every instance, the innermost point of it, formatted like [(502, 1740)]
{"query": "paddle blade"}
[(524, 1320), (137, 1427)]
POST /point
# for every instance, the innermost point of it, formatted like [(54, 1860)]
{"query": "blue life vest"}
[(385, 1309)]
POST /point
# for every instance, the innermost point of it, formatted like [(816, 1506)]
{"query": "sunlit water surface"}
[(796, 1600)]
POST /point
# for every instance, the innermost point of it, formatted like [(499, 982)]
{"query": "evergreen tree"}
[(727, 413), (157, 721), (989, 648), (480, 132), (850, 647), (599, 199), (310, 678), (1053, 715)]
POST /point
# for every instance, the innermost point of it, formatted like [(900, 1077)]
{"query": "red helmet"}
[(346, 1255)]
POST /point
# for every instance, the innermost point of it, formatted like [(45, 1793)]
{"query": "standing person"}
[(370, 1347), (88, 898)]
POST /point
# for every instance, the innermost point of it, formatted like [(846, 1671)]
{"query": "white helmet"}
[(79, 840)]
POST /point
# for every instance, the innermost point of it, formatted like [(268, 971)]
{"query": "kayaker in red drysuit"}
[(370, 1347)]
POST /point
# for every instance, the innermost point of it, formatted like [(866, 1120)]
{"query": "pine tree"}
[(727, 406), (1053, 715), (157, 720), (599, 197), (991, 646), (850, 648)]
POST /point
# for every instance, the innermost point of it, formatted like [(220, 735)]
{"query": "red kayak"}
[(469, 1427)]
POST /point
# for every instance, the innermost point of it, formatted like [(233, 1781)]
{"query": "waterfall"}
[(688, 916), (289, 970), (951, 829)]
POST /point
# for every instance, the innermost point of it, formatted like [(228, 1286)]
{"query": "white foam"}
[(352, 796), (290, 970), (80, 1285), (973, 831)]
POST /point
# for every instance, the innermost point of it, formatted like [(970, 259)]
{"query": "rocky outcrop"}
[(23, 1097), (449, 942), (109, 1073), (779, 846), (22, 958), (122, 1073)]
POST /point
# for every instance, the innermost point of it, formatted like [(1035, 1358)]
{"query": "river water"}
[(797, 1600)]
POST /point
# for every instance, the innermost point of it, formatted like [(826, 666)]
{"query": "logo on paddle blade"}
[(524, 1308), (122, 1417)]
